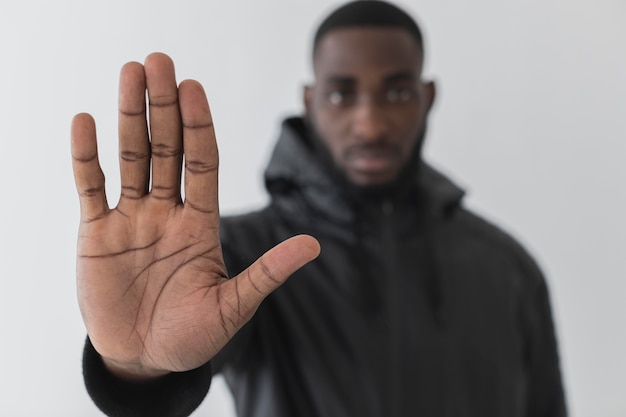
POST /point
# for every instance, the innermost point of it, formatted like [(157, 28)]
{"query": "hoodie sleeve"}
[(174, 395), (546, 396)]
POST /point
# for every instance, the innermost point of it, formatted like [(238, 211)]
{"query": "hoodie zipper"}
[(393, 303)]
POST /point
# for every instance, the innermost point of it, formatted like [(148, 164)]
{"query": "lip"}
[(371, 160), (371, 165)]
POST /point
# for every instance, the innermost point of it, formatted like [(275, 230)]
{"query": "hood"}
[(295, 167), (305, 191)]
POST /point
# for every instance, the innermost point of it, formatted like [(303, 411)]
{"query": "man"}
[(415, 306)]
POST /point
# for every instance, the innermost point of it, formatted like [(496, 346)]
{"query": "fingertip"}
[(132, 89), (310, 244), (131, 66), (82, 124), (192, 86), (158, 55), (82, 136), (82, 118), (158, 59), (194, 104), (132, 72), (300, 250)]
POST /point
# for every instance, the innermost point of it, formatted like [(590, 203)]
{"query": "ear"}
[(430, 92), (307, 100)]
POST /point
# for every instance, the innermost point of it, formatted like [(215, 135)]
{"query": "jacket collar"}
[(295, 167)]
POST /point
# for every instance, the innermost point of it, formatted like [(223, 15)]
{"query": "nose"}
[(369, 122)]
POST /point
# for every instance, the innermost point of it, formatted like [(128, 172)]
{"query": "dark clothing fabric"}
[(175, 395), (415, 307)]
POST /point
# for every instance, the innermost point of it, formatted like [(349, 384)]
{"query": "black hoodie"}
[(415, 307)]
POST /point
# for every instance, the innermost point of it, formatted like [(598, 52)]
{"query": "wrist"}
[(132, 372)]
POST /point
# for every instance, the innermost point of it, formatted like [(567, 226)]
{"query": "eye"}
[(400, 95), (340, 97)]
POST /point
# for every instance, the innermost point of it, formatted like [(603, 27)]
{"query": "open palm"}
[(152, 285)]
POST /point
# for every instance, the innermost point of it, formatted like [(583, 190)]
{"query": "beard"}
[(402, 182)]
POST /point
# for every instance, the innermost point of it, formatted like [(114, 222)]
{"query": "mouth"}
[(375, 163)]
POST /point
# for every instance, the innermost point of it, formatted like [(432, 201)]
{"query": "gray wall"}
[(530, 118)]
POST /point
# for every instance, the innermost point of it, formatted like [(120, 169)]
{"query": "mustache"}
[(372, 149)]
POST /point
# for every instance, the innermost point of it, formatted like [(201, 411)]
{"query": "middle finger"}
[(165, 126)]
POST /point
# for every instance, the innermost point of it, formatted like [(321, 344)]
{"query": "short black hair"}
[(375, 13)]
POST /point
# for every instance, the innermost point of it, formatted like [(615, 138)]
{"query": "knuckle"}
[(133, 156), (200, 167), (163, 150)]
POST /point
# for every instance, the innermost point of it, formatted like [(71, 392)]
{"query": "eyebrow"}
[(340, 79), (394, 77), (400, 76)]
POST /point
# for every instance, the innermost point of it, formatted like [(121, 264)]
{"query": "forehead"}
[(353, 51)]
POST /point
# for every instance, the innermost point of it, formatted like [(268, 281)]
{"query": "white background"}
[(530, 118)]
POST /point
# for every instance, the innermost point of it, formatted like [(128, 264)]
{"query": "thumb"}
[(271, 270)]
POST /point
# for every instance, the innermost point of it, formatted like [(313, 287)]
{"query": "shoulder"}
[(480, 239)]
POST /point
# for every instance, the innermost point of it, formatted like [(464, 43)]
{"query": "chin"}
[(374, 180), (378, 188)]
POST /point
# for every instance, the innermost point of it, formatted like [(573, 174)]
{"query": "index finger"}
[(200, 149)]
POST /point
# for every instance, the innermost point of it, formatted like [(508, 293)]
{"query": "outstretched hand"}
[(152, 285)]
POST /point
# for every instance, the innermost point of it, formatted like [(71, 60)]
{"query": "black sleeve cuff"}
[(175, 395)]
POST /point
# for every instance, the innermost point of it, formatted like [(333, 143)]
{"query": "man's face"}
[(369, 104)]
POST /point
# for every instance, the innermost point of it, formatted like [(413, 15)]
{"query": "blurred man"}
[(415, 306)]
